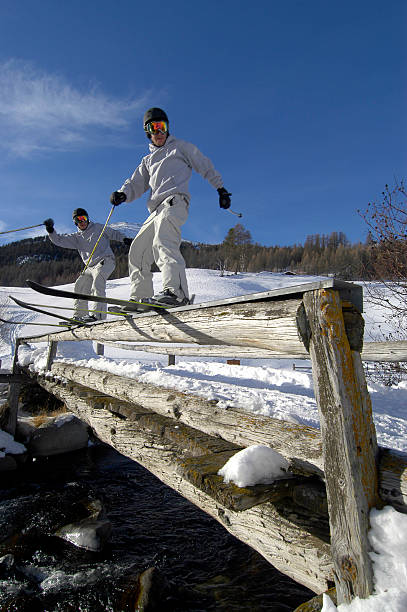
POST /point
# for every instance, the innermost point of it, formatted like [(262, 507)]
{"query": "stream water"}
[(199, 566)]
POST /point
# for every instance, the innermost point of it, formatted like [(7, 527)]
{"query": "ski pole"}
[(97, 241), (20, 229), (235, 213)]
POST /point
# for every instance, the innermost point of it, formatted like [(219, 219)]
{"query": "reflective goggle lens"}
[(154, 127), (81, 218)]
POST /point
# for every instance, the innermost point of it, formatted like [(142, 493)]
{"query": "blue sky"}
[(299, 104)]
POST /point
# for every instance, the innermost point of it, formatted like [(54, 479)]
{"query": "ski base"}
[(34, 323), (50, 314)]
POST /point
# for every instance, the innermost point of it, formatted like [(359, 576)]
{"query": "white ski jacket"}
[(167, 170), (84, 241)]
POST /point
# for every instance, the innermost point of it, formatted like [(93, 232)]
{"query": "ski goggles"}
[(155, 127), (80, 218)]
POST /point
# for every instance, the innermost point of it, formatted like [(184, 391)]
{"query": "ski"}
[(46, 312), (32, 323), (114, 311), (144, 306)]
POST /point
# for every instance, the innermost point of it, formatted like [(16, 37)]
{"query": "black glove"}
[(224, 198), (49, 225), (117, 198), (127, 241)]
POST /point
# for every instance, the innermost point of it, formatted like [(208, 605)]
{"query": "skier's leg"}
[(83, 284), (140, 261), (100, 274), (167, 242)]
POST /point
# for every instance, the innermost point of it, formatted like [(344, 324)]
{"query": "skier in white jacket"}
[(93, 280), (166, 171)]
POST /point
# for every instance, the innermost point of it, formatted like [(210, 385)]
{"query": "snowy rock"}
[(61, 434), (90, 533), (9, 450)]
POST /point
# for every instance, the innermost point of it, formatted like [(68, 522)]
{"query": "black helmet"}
[(78, 212), (154, 114)]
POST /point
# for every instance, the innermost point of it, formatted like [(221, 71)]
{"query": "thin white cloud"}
[(40, 112)]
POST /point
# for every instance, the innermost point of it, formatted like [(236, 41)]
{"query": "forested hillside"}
[(320, 254), (40, 260)]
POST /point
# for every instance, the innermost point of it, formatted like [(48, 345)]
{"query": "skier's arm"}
[(201, 164), (67, 241), (137, 184)]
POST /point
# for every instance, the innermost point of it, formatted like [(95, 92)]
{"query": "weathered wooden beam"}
[(228, 352), (293, 540), (100, 349), (300, 444), (9, 413), (51, 354), (389, 352), (260, 325), (348, 440)]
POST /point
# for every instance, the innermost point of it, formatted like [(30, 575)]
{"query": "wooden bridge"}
[(312, 526)]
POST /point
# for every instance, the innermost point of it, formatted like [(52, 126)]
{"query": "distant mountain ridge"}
[(129, 229)]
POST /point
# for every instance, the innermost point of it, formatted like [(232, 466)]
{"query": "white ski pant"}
[(159, 241), (93, 282)]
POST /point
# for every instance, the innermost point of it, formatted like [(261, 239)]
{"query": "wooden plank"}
[(389, 352), (100, 349), (52, 351), (8, 419), (349, 292), (203, 351), (348, 440)]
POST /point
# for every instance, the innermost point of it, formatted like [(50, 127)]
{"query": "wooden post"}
[(52, 351), (348, 441), (9, 417)]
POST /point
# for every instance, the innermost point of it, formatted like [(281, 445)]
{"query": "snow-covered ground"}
[(269, 387)]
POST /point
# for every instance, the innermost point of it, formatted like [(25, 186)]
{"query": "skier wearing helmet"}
[(93, 280), (166, 171)]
